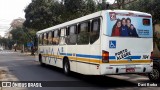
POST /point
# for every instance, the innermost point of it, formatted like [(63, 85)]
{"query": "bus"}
[(101, 43)]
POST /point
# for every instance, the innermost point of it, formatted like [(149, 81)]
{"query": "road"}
[(25, 68)]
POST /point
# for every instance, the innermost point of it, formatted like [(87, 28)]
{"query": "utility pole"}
[(31, 38)]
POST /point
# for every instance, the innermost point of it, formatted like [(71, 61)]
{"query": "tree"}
[(57, 10), (41, 14), (120, 4), (19, 36), (72, 9), (148, 6), (6, 42), (90, 6)]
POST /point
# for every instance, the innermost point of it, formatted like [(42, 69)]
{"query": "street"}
[(25, 68), (115, 43)]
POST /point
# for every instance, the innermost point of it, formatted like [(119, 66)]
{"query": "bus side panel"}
[(82, 55), (95, 59), (95, 51), (43, 53), (72, 49), (58, 60), (51, 55), (48, 55)]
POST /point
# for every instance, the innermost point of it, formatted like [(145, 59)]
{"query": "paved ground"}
[(20, 67), (7, 52)]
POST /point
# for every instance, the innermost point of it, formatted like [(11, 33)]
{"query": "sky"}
[(13, 9), (9, 10)]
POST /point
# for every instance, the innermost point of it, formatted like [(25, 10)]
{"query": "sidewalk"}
[(6, 75), (29, 54), (26, 53)]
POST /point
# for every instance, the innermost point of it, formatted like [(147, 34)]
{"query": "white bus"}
[(105, 42)]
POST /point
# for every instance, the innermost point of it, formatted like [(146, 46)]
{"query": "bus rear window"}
[(146, 22)]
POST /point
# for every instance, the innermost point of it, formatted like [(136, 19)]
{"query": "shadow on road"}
[(93, 80)]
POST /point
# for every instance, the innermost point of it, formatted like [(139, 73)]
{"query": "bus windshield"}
[(126, 24)]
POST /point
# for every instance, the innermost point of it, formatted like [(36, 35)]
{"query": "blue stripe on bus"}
[(83, 55), (89, 56), (98, 57), (112, 57), (67, 54)]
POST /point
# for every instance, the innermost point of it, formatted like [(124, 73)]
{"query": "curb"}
[(6, 75)]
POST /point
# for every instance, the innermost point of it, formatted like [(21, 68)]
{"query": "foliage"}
[(6, 42), (3, 41), (120, 3), (149, 6), (19, 36), (41, 14), (38, 14)]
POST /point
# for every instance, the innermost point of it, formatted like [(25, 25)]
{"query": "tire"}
[(40, 61), (154, 75), (66, 67)]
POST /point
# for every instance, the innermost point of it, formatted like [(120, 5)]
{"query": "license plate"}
[(130, 66), (130, 70)]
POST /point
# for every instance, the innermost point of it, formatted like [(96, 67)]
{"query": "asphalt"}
[(24, 68)]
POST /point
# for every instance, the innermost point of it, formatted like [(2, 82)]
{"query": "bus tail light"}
[(151, 57), (105, 57)]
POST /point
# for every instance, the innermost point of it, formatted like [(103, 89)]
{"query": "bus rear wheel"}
[(66, 67)]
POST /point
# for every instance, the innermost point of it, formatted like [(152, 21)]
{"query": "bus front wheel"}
[(66, 66), (40, 60)]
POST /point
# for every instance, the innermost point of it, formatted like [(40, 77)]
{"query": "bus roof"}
[(90, 16), (135, 12), (96, 14)]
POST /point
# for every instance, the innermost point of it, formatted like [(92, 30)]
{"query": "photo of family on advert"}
[(124, 28), (129, 25)]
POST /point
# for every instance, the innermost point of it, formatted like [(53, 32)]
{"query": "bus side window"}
[(62, 36), (56, 37), (45, 39), (40, 39), (95, 30), (83, 33), (53, 43), (50, 38), (71, 37), (44, 35)]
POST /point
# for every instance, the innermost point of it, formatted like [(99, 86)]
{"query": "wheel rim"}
[(66, 68), (154, 74)]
